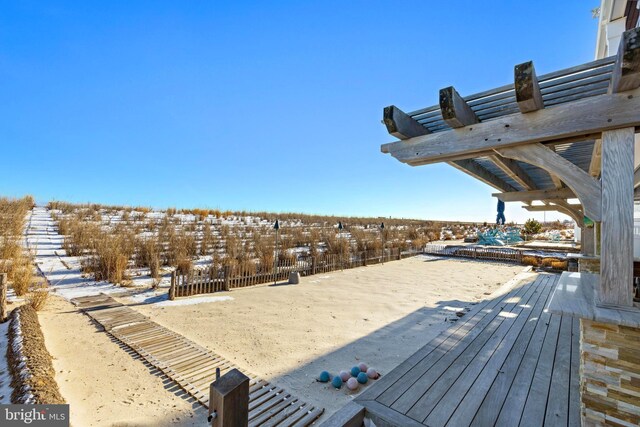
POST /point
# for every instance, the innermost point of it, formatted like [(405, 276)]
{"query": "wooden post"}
[(227, 273), (3, 297), (229, 400), (616, 229), (588, 240), (313, 264), (172, 289), (364, 258)]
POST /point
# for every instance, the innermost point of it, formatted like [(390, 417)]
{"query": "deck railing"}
[(216, 278)]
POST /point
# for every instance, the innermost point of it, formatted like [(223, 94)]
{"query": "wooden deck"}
[(506, 363), (191, 366)]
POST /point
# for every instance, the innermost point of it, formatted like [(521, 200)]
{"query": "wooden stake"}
[(3, 297)]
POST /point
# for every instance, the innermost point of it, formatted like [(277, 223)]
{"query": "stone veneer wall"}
[(609, 374)]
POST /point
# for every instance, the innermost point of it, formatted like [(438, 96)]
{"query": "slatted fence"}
[(216, 278), (476, 252)]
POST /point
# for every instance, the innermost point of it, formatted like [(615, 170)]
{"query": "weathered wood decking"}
[(191, 366), (506, 363)]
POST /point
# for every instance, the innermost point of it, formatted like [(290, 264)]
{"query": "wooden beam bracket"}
[(586, 188)]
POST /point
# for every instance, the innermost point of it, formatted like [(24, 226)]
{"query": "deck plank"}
[(525, 351), (469, 365), (557, 412), (511, 363), (535, 407), (394, 395), (574, 388), (512, 348), (445, 340)]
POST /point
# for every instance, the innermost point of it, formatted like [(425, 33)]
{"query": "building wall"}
[(609, 374)]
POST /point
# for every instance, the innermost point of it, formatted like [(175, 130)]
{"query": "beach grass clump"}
[(110, 257), (530, 260), (38, 295), (559, 265)]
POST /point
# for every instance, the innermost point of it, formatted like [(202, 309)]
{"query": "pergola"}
[(570, 134), (564, 135)]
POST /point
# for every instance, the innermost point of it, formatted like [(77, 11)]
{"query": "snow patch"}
[(161, 299), (5, 376)]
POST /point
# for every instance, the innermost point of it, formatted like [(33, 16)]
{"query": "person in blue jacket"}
[(500, 220)]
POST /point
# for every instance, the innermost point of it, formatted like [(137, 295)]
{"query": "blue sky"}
[(269, 105)]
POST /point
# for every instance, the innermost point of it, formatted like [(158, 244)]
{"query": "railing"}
[(475, 252), (216, 278)]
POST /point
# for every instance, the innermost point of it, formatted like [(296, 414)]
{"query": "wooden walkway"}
[(506, 363), (192, 366)]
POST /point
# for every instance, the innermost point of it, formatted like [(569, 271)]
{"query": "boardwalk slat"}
[(189, 365)]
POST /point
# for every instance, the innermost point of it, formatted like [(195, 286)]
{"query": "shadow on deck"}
[(506, 363)]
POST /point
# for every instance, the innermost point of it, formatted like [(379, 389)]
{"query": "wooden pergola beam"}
[(583, 117), (581, 183), (526, 86), (455, 110), (529, 196), (403, 126), (471, 167), (514, 171), (400, 124), (626, 71), (572, 213)]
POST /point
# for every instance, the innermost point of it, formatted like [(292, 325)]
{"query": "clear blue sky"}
[(270, 105)]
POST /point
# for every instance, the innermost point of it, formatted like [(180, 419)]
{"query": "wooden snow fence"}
[(191, 366), (216, 278), (476, 252)]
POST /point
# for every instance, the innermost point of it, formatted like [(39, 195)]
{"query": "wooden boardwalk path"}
[(506, 363), (192, 366)]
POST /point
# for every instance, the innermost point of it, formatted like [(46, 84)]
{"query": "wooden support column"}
[(616, 241), (588, 241)]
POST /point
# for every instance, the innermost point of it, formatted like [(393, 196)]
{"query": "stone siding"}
[(609, 374)]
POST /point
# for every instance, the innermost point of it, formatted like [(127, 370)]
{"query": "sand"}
[(379, 315), (104, 384)]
